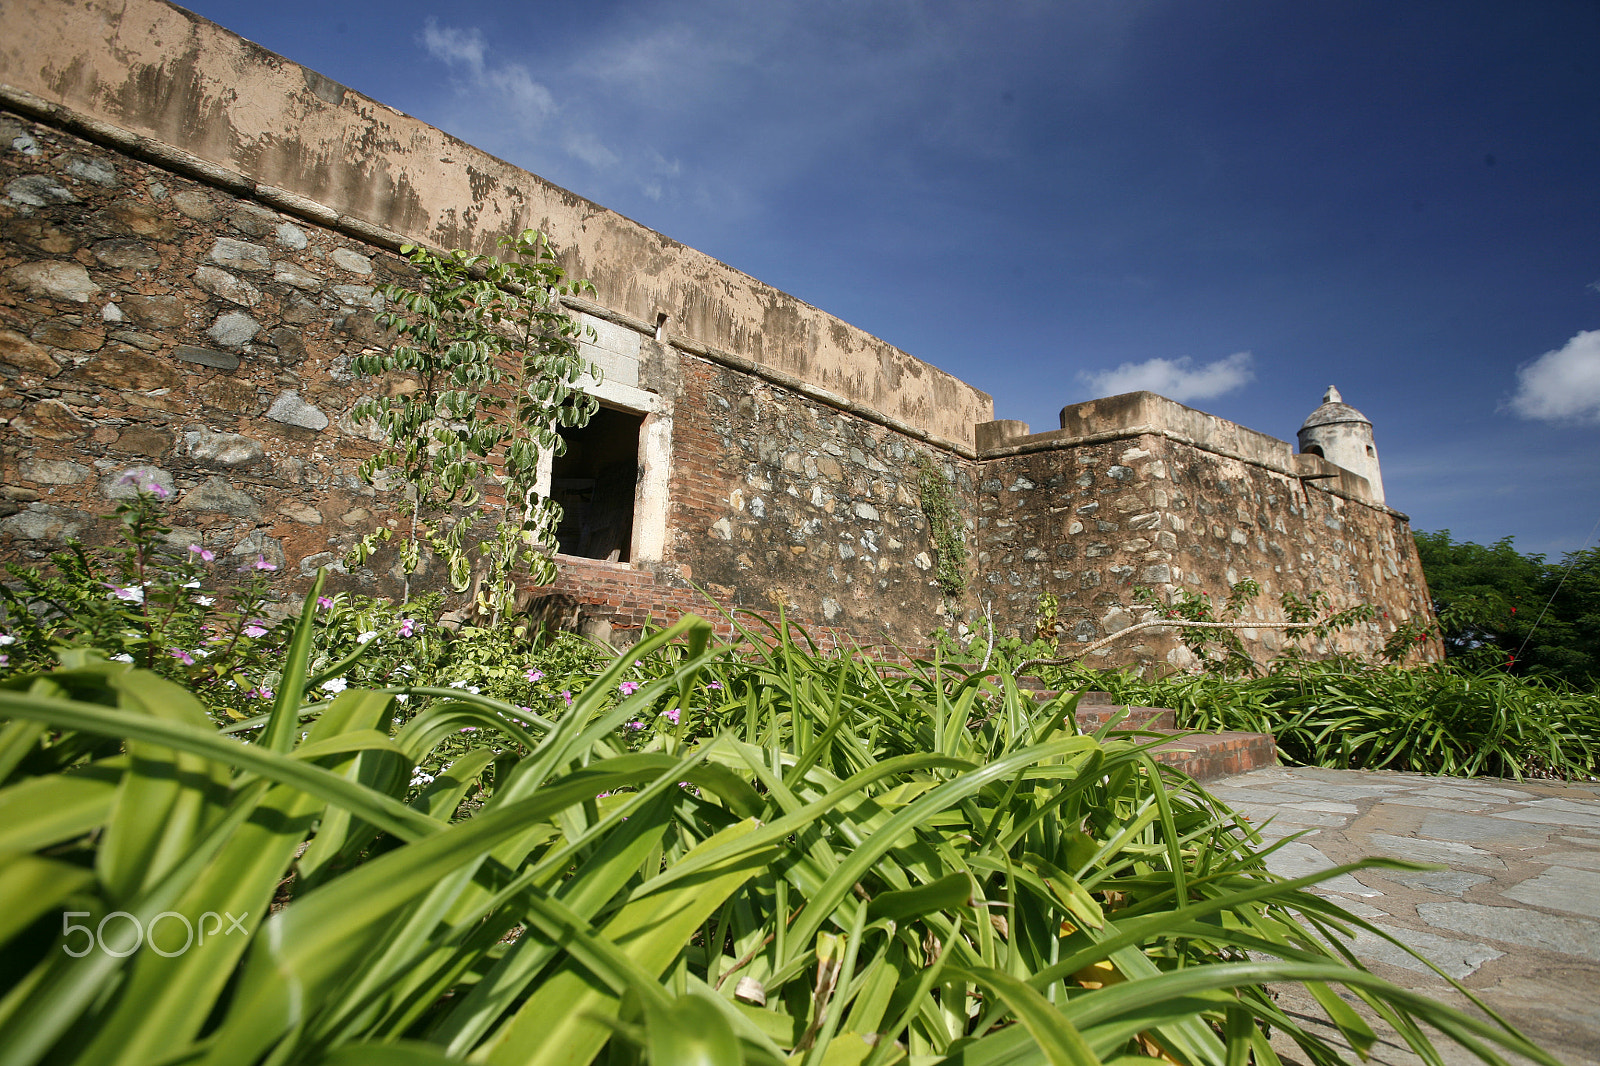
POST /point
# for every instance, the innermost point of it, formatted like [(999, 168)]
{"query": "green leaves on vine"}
[(944, 528), (484, 373)]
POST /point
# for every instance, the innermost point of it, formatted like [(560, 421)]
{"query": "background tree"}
[(496, 363), (1491, 603)]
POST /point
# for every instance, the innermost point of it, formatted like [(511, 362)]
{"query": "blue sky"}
[(1233, 204)]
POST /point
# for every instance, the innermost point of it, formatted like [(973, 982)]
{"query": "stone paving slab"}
[(1514, 916)]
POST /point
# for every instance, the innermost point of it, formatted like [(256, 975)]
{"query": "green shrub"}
[(1436, 719)]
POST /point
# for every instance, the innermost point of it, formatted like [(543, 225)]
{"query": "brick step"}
[(1091, 717), (1207, 756), (1203, 756)]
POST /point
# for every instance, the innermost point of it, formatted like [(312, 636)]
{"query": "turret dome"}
[(1333, 410)]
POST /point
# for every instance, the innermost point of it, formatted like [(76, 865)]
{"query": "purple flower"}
[(262, 564), (156, 490), (628, 688), (535, 675), (716, 685), (182, 656), (566, 694), (323, 603), (468, 729), (4, 658), (262, 693), (408, 626), (672, 716), (255, 629), (203, 553), (633, 725)]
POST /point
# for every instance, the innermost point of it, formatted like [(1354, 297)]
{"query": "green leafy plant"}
[(815, 862), (486, 371), (1437, 718), (171, 608)]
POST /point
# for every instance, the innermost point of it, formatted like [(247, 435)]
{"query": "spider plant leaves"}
[(554, 1027), (30, 886), (825, 865)]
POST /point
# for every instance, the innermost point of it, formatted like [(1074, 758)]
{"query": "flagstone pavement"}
[(1513, 915)]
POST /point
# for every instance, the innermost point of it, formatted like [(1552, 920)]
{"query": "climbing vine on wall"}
[(944, 527), (495, 360)]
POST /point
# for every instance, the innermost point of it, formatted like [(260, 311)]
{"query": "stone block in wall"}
[(54, 280)]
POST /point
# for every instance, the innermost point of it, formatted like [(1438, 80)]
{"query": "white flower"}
[(462, 684), (123, 658), (205, 601), (336, 684), (402, 698), (132, 595), (192, 584), (419, 779), (368, 635), (7, 638)]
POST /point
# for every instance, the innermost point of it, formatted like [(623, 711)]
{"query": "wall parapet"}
[(1138, 414)]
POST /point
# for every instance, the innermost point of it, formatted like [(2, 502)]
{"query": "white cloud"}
[(582, 144), (454, 46), (1173, 378), (1563, 385), (509, 85)]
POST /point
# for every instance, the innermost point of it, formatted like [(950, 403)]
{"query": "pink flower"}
[(715, 684), (195, 549), (132, 595), (566, 694), (633, 725), (323, 603), (255, 629), (408, 626), (628, 688), (672, 716), (468, 729), (262, 693), (182, 656), (4, 658), (535, 675), (156, 490), (262, 564)]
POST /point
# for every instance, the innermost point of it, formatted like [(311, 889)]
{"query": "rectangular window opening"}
[(595, 481)]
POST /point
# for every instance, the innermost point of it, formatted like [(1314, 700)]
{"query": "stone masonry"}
[(192, 235)]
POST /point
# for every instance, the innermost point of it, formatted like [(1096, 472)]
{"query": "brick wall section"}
[(1089, 524), (631, 599), (778, 501)]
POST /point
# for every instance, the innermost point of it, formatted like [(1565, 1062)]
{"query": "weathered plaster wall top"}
[(162, 73)]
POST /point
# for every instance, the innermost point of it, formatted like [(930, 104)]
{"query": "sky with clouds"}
[(1235, 205)]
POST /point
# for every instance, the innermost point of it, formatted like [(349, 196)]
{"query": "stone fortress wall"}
[(193, 229)]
